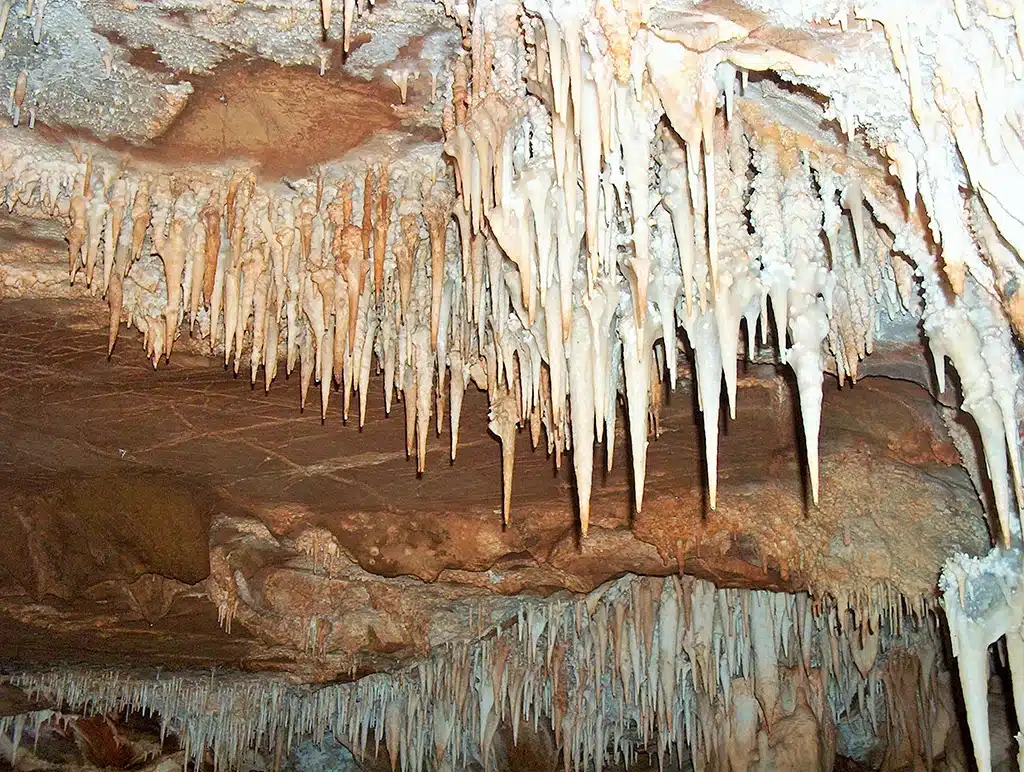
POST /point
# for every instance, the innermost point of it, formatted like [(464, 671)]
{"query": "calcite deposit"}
[(607, 262)]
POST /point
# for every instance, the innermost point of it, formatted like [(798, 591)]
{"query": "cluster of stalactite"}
[(673, 667), (598, 204), (269, 275), (19, 98), (610, 188), (284, 274), (595, 153)]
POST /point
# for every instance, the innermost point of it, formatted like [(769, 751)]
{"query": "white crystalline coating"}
[(641, 663), (953, 333)]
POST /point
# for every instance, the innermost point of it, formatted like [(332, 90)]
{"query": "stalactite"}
[(670, 680), (76, 233), (436, 213), (601, 184), (385, 204), (982, 601), (173, 256), (504, 421), (117, 205)]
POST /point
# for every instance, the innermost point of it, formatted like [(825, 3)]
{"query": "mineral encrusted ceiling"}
[(535, 313)]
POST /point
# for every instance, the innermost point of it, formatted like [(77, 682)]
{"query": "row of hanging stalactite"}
[(673, 667), (272, 275), (578, 233), (620, 172)]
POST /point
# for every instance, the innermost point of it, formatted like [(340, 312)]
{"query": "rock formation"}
[(652, 237)]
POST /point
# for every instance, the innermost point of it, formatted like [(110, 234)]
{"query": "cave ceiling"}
[(333, 335)]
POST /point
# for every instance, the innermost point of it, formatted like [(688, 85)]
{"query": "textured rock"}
[(325, 520), (144, 61), (546, 192)]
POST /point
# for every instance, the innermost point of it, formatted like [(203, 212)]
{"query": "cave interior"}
[(511, 385)]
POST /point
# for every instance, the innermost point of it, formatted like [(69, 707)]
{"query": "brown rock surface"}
[(112, 473), (286, 119)]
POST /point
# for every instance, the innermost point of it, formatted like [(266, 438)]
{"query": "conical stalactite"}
[(716, 675), (739, 286), (636, 362), (808, 321), (982, 599), (582, 394)]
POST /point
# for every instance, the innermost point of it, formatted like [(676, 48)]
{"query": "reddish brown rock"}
[(128, 466)]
